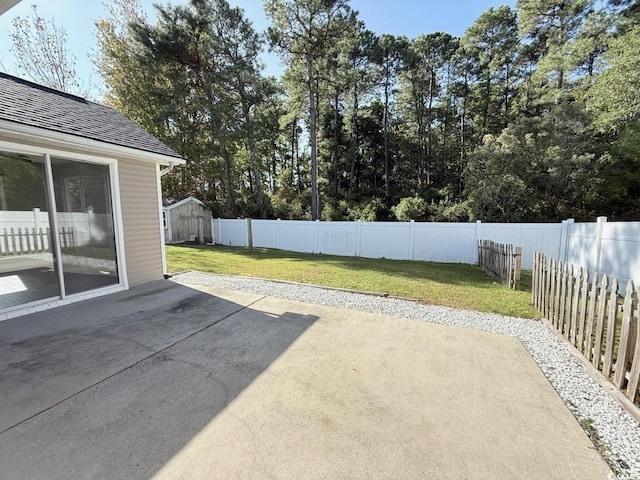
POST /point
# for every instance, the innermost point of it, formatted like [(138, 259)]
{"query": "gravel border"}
[(615, 431)]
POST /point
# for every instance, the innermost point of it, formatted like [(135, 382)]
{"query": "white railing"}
[(27, 231)]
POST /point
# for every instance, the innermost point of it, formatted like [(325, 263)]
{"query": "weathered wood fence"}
[(20, 241), (501, 262), (594, 316)]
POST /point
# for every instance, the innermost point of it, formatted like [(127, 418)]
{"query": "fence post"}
[(623, 348), (534, 279), (411, 238), (564, 240), (36, 214), (600, 226), (278, 221), (249, 234), (518, 266), (358, 236), (315, 237), (567, 242), (220, 229), (478, 235)]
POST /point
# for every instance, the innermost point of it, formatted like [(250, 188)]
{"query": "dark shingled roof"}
[(27, 103)]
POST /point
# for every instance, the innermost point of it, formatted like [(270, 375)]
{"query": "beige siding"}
[(140, 218)]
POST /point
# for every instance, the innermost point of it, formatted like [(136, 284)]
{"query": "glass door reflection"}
[(27, 265), (85, 224)]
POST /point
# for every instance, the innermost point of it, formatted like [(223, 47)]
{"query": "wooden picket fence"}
[(594, 316), (501, 262), (20, 241)]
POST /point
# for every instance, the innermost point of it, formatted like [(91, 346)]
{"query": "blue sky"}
[(399, 17)]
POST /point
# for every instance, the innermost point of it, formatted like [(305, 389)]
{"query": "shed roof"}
[(174, 202), (31, 104)]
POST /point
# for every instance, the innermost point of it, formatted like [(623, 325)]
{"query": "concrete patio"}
[(169, 381)]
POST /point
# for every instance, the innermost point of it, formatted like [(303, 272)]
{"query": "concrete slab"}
[(51, 355), (284, 389)]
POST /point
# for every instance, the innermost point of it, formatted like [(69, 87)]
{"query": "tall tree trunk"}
[(313, 140), (354, 143), (297, 168), (445, 133), (335, 141), (294, 143), (274, 162), (430, 149), (417, 101), (505, 122), (385, 121), (232, 208), (487, 100), (463, 137), (560, 86), (254, 158)]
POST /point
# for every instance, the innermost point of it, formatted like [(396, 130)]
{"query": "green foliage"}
[(616, 190), (290, 208), (489, 126), (614, 97), (410, 208), (446, 211), (493, 41), (372, 211), (307, 34), (534, 170)]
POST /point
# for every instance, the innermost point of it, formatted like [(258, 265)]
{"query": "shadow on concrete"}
[(114, 387)]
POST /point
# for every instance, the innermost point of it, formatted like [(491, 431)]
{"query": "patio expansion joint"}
[(128, 367)]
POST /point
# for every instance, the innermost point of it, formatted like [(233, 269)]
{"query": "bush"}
[(451, 212), (333, 210), (411, 208), (289, 209)]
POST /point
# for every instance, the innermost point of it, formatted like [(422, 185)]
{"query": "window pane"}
[(27, 267), (85, 223)]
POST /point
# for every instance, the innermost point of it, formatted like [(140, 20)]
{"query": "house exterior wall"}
[(184, 222), (139, 204), (140, 219)]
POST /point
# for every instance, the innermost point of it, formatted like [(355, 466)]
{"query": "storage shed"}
[(80, 199), (186, 220)]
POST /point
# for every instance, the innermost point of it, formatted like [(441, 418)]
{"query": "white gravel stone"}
[(618, 432)]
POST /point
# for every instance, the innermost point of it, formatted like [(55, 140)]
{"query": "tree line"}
[(531, 115)]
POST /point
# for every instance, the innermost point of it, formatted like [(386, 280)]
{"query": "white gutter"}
[(164, 171), (41, 133)]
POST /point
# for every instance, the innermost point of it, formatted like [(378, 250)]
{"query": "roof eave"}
[(185, 201), (22, 130)]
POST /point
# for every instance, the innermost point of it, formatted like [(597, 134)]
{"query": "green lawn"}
[(449, 284)]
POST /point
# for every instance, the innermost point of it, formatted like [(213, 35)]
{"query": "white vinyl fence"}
[(611, 248), (429, 241)]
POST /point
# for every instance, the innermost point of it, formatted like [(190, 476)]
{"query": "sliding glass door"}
[(56, 228), (27, 264), (85, 224)]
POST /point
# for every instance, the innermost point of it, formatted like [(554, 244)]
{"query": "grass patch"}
[(449, 284), (589, 428)]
